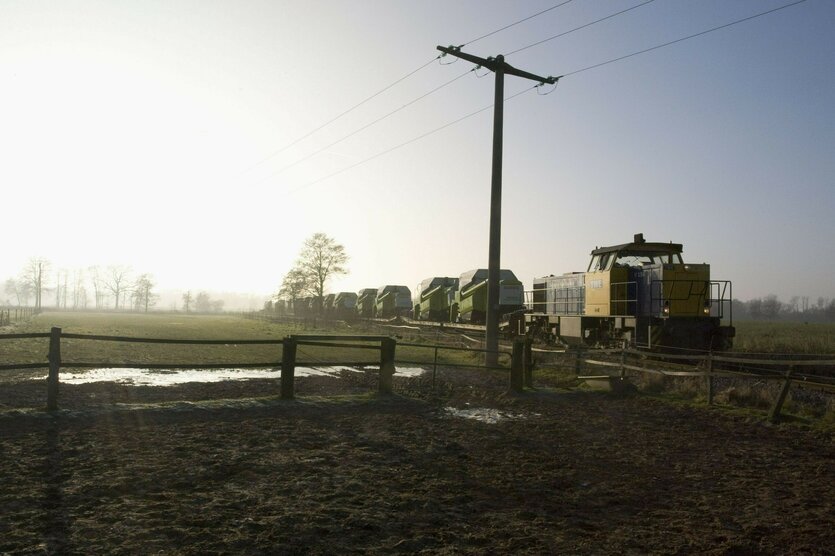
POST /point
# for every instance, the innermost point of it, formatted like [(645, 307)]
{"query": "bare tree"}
[(293, 286), (79, 292), (187, 301), (143, 296), (21, 290), (321, 258), (61, 288), (203, 303), (35, 274), (96, 278), (118, 282)]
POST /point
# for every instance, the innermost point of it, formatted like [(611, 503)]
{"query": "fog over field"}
[(200, 143)]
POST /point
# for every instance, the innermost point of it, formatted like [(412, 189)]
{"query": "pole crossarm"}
[(495, 63)]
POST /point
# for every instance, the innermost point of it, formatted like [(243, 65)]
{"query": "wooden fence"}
[(16, 314), (807, 372), (385, 345), (817, 373)]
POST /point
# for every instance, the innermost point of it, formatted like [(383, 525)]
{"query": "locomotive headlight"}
[(666, 307), (706, 309)]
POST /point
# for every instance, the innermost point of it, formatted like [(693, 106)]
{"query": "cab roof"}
[(640, 246)]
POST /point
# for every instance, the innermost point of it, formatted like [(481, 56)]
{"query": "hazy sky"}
[(137, 133)]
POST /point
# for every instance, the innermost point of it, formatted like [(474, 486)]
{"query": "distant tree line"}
[(40, 285), (201, 303), (798, 308)]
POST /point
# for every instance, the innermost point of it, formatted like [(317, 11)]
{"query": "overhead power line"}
[(517, 22), (580, 27), (699, 34), (366, 126), (335, 118), (409, 142)]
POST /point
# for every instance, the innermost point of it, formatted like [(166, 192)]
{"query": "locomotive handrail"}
[(722, 287)]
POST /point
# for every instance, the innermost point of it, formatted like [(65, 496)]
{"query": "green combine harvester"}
[(434, 297), (471, 298), (366, 298), (393, 301), (345, 305)]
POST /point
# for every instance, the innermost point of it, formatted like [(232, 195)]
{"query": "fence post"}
[(578, 362), (623, 361), (288, 368), (709, 377), (528, 363), (434, 368), (517, 366), (54, 368), (774, 415), (387, 346)]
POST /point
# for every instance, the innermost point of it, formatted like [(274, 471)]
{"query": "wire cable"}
[(580, 27), (409, 142), (517, 22), (749, 18), (335, 118), (366, 126)]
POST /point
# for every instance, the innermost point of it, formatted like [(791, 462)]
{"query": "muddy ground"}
[(569, 472)]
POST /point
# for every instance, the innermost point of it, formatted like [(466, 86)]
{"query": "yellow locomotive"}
[(640, 292)]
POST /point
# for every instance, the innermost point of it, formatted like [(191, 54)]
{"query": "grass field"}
[(784, 337)]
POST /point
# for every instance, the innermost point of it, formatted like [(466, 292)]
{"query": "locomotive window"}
[(600, 262)]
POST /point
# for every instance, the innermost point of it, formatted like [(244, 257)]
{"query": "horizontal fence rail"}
[(385, 345), (817, 373)]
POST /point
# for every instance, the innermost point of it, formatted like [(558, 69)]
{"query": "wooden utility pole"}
[(498, 66)]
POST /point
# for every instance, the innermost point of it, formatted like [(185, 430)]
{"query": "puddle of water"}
[(171, 377), (483, 414)]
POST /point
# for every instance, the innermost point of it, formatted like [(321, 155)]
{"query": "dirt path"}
[(572, 473)]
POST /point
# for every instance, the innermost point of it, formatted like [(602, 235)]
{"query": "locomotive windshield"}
[(632, 259), (605, 261)]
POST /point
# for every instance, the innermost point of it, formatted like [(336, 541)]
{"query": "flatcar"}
[(641, 293)]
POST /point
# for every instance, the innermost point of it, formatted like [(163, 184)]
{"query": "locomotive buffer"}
[(498, 66)]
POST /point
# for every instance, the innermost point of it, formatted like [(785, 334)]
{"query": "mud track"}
[(572, 472)]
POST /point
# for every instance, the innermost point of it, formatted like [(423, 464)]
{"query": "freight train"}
[(640, 293)]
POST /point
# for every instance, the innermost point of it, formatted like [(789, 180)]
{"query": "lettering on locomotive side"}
[(596, 284)]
